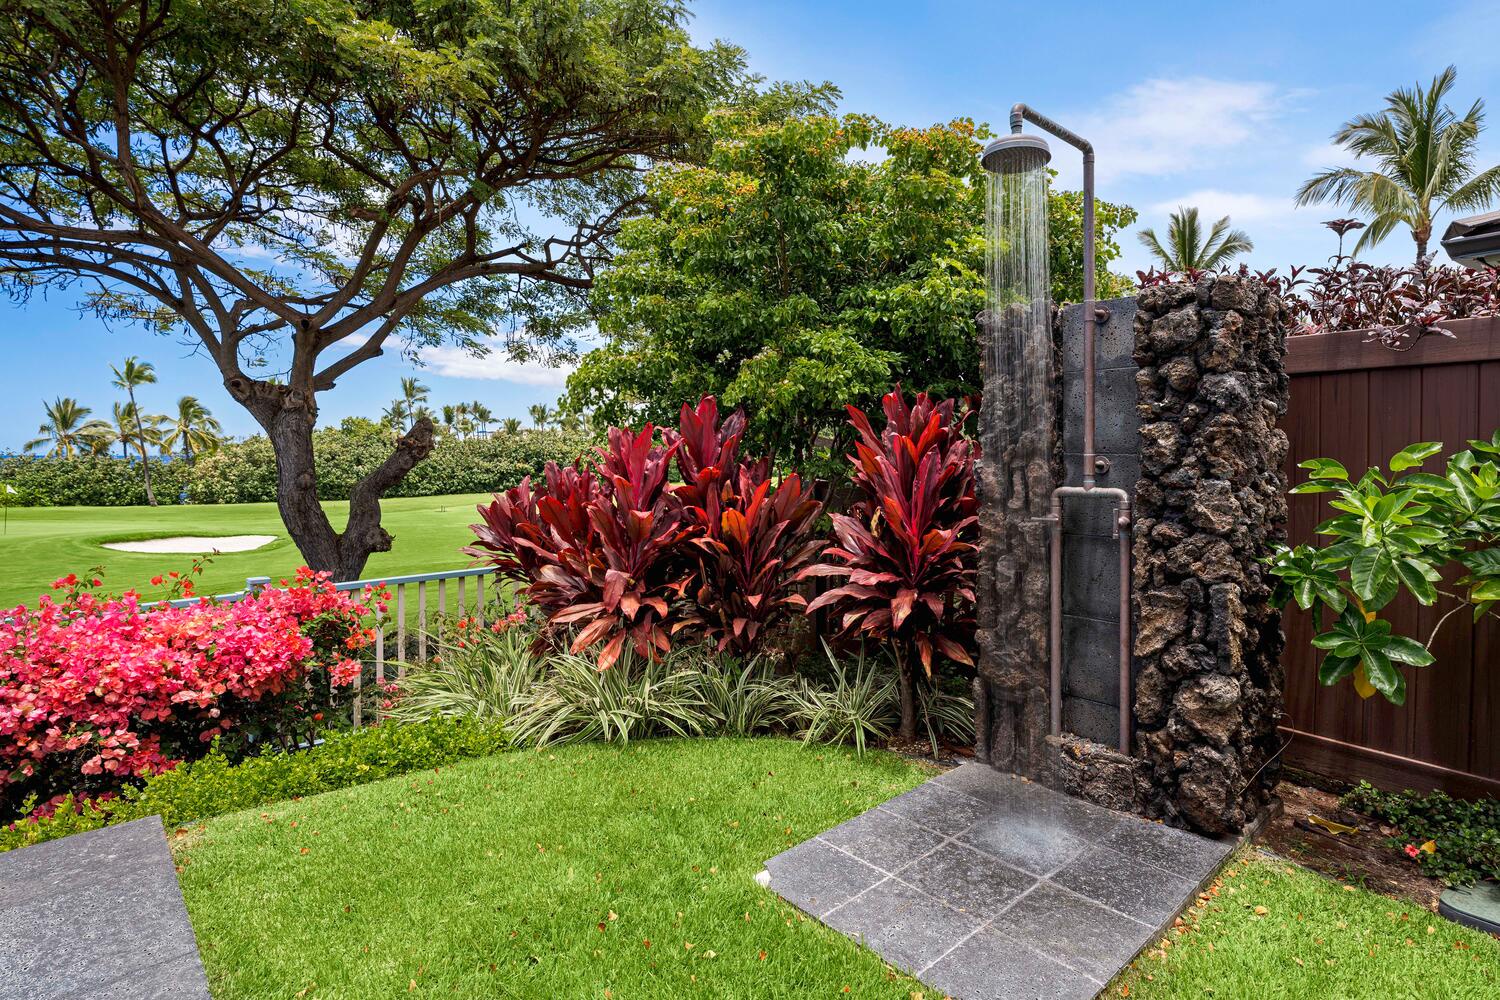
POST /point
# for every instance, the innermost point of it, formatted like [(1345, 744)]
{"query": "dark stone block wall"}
[(1210, 501), (1091, 553)]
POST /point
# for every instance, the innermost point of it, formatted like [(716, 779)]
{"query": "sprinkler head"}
[(1011, 154)]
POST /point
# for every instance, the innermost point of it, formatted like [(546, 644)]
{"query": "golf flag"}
[(9, 488)]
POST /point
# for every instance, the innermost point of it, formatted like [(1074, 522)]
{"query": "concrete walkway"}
[(986, 886), (97, 915)]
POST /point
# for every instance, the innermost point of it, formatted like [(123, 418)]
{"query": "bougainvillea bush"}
[(907, 548), (614, 551), (97, 691)]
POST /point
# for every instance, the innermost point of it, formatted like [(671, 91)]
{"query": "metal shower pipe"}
[(1122, 513)]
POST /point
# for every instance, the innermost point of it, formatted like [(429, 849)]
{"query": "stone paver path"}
[(987, 886), (97, 915)]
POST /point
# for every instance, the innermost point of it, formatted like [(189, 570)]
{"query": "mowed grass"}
[(589, 871), (1276, 930), (45, 543)]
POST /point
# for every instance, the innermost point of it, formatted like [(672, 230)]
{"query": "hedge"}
[(213, 786), (245, 471)]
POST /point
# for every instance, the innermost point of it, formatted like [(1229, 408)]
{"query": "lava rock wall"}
[(1210, 501)]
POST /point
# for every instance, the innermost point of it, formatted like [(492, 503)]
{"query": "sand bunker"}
[(194, 544)]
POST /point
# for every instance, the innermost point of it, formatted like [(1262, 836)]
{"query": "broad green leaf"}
[(1414, 454), (1413, 574), (1366, 571), (1384, 675), (1405, 650), (1484, 562), (1335, 668), (1324, 468)]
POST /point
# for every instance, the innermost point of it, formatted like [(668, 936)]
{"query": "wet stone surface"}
[(97, 914), (986, 886)]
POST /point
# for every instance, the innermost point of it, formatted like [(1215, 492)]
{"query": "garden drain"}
[(1476, 906)]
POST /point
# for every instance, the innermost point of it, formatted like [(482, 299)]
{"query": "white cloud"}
[(1162, 127), (455, 362), (1240, 206)]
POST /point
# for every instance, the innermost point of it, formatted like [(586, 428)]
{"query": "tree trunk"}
[(288, 416), (908, 731), (146, 468)]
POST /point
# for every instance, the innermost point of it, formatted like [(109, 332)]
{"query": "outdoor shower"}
[(1021, 346)]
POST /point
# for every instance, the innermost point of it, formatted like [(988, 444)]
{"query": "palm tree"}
[(1186, 248), (1424, 154), (67, 428), (511, 425), (413, 394), (449, 416), (482, 417), (124, 427), (195, 430), (540, 414), (570, 422), (461, 421), (127, 377), (394, 416)]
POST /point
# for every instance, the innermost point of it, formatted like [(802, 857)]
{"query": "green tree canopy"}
[(810, 262), (298, 186)]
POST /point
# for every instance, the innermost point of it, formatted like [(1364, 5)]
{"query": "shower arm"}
[(1122, 516), (1021, 113)]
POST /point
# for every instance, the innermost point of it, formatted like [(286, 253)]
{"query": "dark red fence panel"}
[(1360, 402)]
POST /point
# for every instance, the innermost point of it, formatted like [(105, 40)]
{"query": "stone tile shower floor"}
[(987, 886)]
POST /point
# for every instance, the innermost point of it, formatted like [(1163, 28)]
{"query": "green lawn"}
[(44, 543), (588, 871), (1276, 930)]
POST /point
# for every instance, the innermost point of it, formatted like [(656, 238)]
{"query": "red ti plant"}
[(751, 539), (595, 546), (908, 546)]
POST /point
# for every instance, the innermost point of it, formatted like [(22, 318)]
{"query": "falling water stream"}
[(1018, 435)]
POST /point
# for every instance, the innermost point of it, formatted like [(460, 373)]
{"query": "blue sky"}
[(1224, 107)]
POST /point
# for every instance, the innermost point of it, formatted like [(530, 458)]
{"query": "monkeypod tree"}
[(295, 186), (907, 548)]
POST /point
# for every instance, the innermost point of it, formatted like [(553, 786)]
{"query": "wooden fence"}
[(1360, 402)]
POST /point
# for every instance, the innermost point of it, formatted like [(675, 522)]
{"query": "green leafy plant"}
[(1464, 834), (478, 676), (745, 699), (639, 696), (214, 785), (1396, 531), (859, 704)]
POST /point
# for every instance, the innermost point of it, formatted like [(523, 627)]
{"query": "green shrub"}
[(245, 471), (480, 680), (213, 786), (860, 703), (1465, 833), (745, 699)]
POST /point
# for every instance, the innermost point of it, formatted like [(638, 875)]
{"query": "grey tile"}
[(97, 914), (1116, 421), (908, 929), (945, 810), (1178, 851), (883, 839), (1032, 844), (985, 783), (1091, 659), (1091, 576), (1114, 339), (992, 966), (816, 877), (967, 880), (1139, 890), (1072, 930), (55, 866), (1092, 720)]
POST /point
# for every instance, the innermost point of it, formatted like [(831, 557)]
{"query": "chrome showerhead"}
[(1013, 153)]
